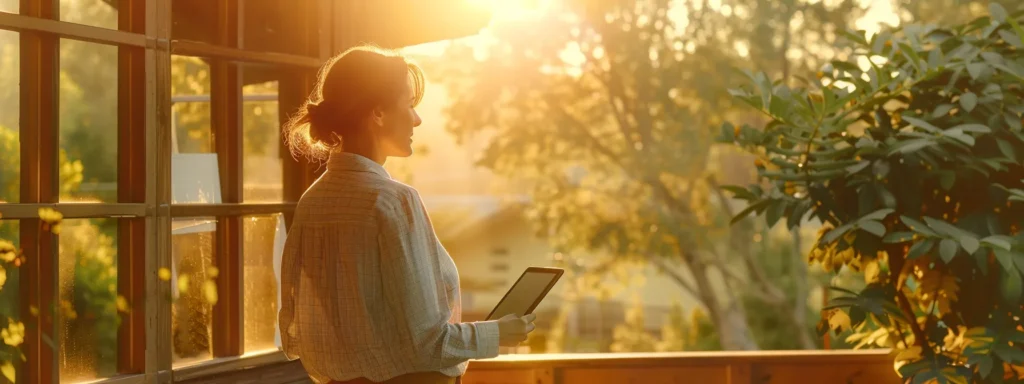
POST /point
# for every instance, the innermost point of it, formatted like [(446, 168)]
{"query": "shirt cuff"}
[(488, 338)]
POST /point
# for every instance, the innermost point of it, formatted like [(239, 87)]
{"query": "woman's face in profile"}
[(396, 125)]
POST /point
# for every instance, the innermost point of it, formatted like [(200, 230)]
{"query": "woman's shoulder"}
[(394, 193)]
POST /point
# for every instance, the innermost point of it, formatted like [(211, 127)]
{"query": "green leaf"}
[(834, 234), (944, 227), (1010, 286), (857, 316), (1005, 259), (774, 212), (922, 124), (888, 199), (947, 179), (935, 58), (976, 70), (898, 237), (874, 227), (947, 250), (911, 146), (969, 244), (1017, 28), (998, 241), (1010, 354), (968, 101), (877, 215), (750, 208), (740, 192), (857, 167), (1007, 149), (911, 55), (985, 363), (973, 128), (920, 248), (942, 110), (961, 137), (918, 226), (1011, 38), (998, 12)]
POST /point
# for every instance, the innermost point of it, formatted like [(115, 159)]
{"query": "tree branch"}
[(677, 277), (757, 273)]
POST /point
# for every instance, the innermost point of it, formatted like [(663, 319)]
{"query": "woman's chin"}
[(403, 152)]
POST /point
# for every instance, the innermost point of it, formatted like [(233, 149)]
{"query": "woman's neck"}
[(368, 151)]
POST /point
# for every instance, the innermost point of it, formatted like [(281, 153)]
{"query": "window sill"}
[(228, 364)]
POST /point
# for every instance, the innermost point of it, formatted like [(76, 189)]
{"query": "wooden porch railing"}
[(796, 367)]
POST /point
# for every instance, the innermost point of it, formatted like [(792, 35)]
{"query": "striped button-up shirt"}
[(367, 290)]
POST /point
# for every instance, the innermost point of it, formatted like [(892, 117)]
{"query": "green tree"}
[(913, 163), (946, 12), (599, 109)]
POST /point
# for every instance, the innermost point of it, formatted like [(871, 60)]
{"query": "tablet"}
[(527, 292)]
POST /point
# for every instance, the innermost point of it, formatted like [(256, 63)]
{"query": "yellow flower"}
[(55, 229), (213, 272), (32, 310), (8, 256), (183, 283), (14, 335), (122, 304), (7, 368), (3, 276), (7, 251), (164, 274), (210, 290), (50, 216)]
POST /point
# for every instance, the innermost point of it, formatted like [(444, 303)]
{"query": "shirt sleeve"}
[(415, 292), (290, 274)]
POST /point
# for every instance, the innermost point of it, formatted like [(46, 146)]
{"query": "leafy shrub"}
[(909, 152)]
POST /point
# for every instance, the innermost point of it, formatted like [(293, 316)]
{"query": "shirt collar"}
[(350, 162)]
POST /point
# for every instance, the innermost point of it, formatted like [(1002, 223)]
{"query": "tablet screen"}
[(527, 292)]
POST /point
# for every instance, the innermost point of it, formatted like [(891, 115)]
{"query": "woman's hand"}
[(513, 329)]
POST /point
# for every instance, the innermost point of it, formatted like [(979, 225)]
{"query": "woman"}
[(368, 293)]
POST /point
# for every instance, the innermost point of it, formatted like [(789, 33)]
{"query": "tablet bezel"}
[(555, 271)]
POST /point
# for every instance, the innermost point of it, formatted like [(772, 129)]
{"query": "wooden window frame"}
[(144, 208)]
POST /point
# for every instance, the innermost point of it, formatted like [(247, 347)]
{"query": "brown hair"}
[(348, 88)]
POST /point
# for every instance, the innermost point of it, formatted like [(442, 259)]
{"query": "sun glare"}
[(505, 9)]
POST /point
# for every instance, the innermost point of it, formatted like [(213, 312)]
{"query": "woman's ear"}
[(377, 115)]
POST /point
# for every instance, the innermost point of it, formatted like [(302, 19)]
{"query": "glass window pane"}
[(88, 306), (190, 105), (9, 6), (194, 20), (195, 177), (9, 237), (192, 271), (97, 13), (263, 170), (9, 281), (10, 151), (263, 244), (277, 26), (88, 121)]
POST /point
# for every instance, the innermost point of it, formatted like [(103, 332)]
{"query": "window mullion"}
[(39, 184), (131, 188), (226, 114)]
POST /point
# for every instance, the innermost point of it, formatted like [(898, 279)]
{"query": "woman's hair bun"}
[(313, 108)]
